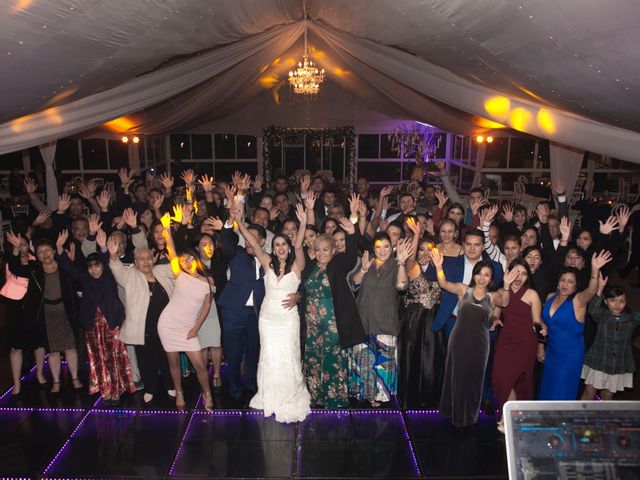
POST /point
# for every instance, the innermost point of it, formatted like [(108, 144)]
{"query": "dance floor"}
[(75, 436)]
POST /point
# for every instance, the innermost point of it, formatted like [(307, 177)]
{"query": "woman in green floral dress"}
[(332, 320)]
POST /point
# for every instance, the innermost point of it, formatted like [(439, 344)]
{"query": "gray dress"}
[(467, 355), (59, 332)]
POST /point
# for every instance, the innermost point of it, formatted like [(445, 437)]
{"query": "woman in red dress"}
[(517, 345)]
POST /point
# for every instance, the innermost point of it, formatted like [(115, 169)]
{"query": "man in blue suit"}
[(458, 269), (240, 303)]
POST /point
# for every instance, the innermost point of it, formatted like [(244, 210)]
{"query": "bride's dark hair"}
[(275, 263)]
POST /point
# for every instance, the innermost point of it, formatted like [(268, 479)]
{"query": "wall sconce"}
[(136, 140), (489, 139), (125, 139), (480, 139)]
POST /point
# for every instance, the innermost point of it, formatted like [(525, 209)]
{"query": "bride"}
[(281, 386)]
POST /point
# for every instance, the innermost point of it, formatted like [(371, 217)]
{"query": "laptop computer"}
[(573, 440)]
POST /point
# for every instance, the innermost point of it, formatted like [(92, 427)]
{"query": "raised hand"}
[(442, 198), (64, 202), (94, 224), (126, 177), (542, 210), (101, 239), (488, 214), (244, 183), (347, 226), (157, 204), (362, 208), (130, 217), (354, 199), (71, 253), (609, 225), (507, 212), (386, 191), (62, 239), (384, 223), (229, 194), (187, 213), (600, 259), (305, 183), (602, 282), (623, 217), (112, 246), (510, 277), (14, 240), (413, 226), (366, 261), (431, 229), (437, 258), (30, 186), (188, 176), (166, 180), (177, 214), (274, 212), (42, 217), (207, 183), (103, 200), (476, 203), (558, 186), (300, 214), (258, 181), (404, 250), (214, 222), (310, 200), (165, 220), (565, 228)]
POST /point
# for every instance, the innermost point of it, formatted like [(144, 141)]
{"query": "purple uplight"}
[(413, 454), (186, 433), (75, 431)]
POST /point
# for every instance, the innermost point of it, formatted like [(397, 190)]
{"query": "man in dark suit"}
[(240, 303), (458, 269)]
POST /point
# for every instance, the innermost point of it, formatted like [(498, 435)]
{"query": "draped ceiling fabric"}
[(566, 71)]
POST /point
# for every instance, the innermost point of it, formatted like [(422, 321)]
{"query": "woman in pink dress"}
[(182, 318)]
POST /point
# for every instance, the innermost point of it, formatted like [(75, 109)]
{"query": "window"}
[(118, 155), (94, 154), (368, 146), (201, 146), (67, 156), (543, 160), (224, 170), (180, 145), (12, 160), (496, 153), (380, 171), (385, 147), (35, 158), (225, 145), (521, 153), (247, 146)]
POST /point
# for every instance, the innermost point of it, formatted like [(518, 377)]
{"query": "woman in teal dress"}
[(332, 321), (564, 314)]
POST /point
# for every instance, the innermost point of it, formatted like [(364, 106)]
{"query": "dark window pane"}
[(118, 154), (180, 146), (466, 143), (94, 154), (67, 157), (247, 146), (200, 168), (224, 170), (201, 146), (294, 139), (496, 156), (522, 150), (368, 146), (12, 160), (314, 146), (467, 179), (457, 147), (441, 151), (334, 161), (275, 152), (385, 148), (543, 155), (225, 145), (407, 168), (35, 158), (454, 174), (380, 171), (293, 159)]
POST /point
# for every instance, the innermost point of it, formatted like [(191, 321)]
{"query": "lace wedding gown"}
[(281, 386)]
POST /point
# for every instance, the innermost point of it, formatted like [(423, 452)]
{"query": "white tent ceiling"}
[(568, 71)]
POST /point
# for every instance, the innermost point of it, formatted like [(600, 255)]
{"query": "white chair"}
[(523, 179), (518, 191), (20, 210)]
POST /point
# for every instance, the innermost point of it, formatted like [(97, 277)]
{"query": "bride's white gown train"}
[(281, 386)]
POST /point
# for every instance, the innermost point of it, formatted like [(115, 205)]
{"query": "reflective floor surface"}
[(74, 435)]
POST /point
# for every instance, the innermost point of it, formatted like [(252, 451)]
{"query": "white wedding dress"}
[(281, 386)]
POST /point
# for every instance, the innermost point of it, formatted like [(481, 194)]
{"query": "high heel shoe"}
[(180, 403), (77, 384), (55, 387), (217, 384), (208, 401)]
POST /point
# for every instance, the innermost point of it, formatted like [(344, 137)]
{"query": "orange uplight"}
[(120, 124), (480, 138), (489, 139), (498, 108), (136, 140), (546, 121), (519, 119), (125, 139)]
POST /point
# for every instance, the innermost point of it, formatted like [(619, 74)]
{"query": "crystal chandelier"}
[(307, 78)]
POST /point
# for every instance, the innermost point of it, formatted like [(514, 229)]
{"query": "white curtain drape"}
[(48, 152), (442, 86), (565, 165), (142, 92), (480, 156)]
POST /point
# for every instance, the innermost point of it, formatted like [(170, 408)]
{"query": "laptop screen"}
[(573, 440)]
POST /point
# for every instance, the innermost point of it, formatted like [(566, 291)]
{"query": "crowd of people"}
[(314, 296)]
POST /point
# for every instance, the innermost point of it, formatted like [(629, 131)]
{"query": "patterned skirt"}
[(373, 369), (109, 367)]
